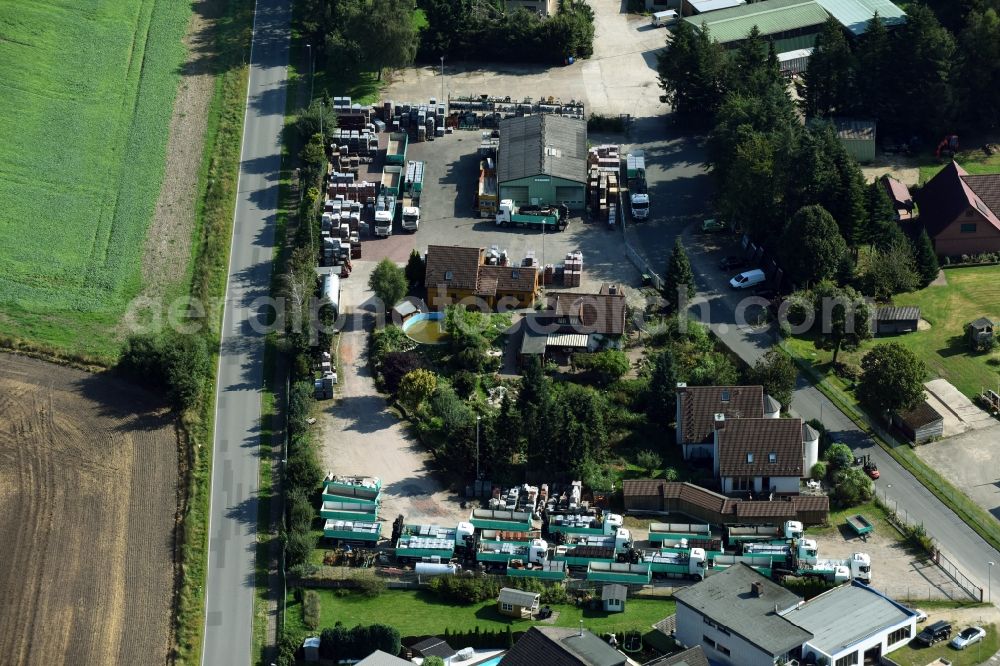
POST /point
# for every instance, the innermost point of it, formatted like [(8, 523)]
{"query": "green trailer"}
[(426, 541), (501, 520), (334, 496), (861, 525), (585, 524), (396, 151), (351, 531), (351, 511), (674, 532), (549, 570), (617, 572), (502, 551), (366, 487), (582, 556)]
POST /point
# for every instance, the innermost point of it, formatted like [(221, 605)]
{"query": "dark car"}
[(731, 262), (935, 633)]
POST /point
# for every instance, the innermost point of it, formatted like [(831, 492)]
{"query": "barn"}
[(890, 320), (543, 160)]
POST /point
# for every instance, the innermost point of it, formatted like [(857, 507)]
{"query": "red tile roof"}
[(602, 313), (700, 404), (461, 262), (952, 191), (897, 191), (746, 447)]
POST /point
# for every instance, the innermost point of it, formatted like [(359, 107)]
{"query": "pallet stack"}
[(603, 180), (573, 269), (351, 116)]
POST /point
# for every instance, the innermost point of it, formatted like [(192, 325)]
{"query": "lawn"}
[(417, 613), (88, 92), (974, 161), (837, 522), (970, 293), (976, 654)]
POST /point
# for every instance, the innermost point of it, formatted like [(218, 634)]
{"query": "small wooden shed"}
[(980, 332), (890, 319), (613, 598), (518, 603), (920, 424)]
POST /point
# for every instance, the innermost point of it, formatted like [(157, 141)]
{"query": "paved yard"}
[(960, 413), (970, 461)]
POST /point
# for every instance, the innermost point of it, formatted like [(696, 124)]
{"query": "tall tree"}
[(874, 71), (776, 372), (891, 378), (536, 405), (924, 258), (388, 34), (883, 229), (890, 271), (922, 56), (828, 76), (388, 281), (693, 71), (678, 281), (662, 388), (755, 64), (842, 315), (979, 68), (811, 248)]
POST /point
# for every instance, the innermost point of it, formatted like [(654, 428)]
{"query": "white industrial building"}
[(741, 618)]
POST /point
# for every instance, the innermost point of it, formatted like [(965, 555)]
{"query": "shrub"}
[(839, 456), (648, 460), (179, 364), (851, 487), (311, 608), (298, 545), (848, 371), (604, 367), (397, 365), (415, 387), (818, 471), (465, 383)]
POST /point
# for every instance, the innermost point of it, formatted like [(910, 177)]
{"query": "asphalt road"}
[(229, 590)]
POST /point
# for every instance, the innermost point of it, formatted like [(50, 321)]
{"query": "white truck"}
[(635, 171), (385, 212)]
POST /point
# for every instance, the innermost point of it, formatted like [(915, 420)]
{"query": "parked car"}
[(967, 637), (871, 469), (748, 279), (731, 262), (935, 633), (921, 615), (712, 224)]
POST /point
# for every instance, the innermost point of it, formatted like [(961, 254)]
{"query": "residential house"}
[(694, 656), (455, 273), (751, 449), (960, 211), (572, 322), (705, 505), (517, 603), (380, 658), (613, 598), (559, 646), (741, 618), (899, 195)]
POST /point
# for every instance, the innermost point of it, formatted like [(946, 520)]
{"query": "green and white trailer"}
[(581, 556), (351, 531), (418, 542), (367, 487), (334, 496), (501, 520), (676, 565), (792, 529), (660, 532), (505, 551), (585, 524), (548, 570), (618, 572), (352, 511)]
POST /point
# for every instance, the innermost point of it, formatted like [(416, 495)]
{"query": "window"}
[(722, 649), (772, 458), (741, 483), (448, 275), (707, 641), (849, 660), (714, 625), (969, 228), (505, 606), (899, 634), (725, 396), (749, 458)]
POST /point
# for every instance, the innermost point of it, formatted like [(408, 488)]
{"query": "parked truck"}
[(385, 213), (792, 529), (396, 152), (486, 194), (635, 171), (532, 217)]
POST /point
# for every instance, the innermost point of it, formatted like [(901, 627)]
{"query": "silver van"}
[(748, 279)]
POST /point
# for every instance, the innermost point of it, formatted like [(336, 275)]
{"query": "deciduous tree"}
[(892, 379), (777, 373), (811, 247), (388, 281)]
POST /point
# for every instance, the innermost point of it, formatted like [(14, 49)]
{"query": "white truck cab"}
[(411, 218), (640, 206)]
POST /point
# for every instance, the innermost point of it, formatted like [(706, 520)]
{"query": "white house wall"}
[(692, 630), (861, 647)]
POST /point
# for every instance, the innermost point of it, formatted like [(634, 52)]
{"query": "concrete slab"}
[(958, 404), (970, 461), (953, 425)]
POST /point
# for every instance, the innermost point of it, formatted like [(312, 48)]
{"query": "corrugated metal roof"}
[(854, 128), (770, 17), (566, 340), (903, 313), (702, 6), (794, 55), (854, 15), (542, 145)]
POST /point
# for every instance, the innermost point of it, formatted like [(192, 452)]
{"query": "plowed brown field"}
[(88, 496)]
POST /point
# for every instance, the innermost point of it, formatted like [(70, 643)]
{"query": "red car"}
[(871, 470)]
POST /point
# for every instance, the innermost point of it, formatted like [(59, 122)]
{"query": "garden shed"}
[(857, 136), (920, 424), (890, 319), (980, 332), (613, 598), (517, 603)]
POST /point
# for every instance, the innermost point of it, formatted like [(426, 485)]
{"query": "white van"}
[(748, 279), (667, 17)]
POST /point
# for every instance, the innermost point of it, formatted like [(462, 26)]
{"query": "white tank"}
[(810, 448), (435, 569)]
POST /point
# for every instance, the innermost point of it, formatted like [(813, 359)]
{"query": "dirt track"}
[(88, 496)]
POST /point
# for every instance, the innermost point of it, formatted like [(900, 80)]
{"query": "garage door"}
[(571, 196), (518, 194)]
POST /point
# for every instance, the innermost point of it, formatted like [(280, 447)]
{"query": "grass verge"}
[(974, 161), (913, 655), (980, 520), (267, 534), (214, 220), (418, 613)]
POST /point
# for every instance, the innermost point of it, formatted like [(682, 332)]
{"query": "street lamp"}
[(442, 80), (309, 46), (989, 583), (478, 419)]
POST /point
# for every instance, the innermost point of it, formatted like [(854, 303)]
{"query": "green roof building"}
[(854, 15), (543, 160), (790, 24)]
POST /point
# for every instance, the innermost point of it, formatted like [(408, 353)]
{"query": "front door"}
[(765, 484)]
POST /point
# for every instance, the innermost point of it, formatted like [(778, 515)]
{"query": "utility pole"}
[(309, 46), (442, 80), (478, 419), (989, 584)]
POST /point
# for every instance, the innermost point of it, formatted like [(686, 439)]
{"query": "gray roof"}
[(847, 614), (435, 647), (854, 15), (854, 128), (614, 592), (542, 145), (690, 657), (728, 599), (533, 342), (901, 313), (514, 597), (809, 433), (771, 404), (379, 658), (561, 646)]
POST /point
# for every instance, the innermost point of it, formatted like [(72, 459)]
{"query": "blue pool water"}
[(492, 661)]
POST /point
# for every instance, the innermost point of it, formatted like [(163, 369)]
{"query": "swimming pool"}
[(427, 328), (493, 661)]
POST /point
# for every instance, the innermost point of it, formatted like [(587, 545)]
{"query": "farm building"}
[(544, 8), (899, 195), (789, 24), (711, 507), (920, 424), (543, 160), (690, 7), (455, 273), (889, 319), (516, 603), (857, 137), (854, 15), (561, 646), (961, 212), (613, 598), (739, 617)]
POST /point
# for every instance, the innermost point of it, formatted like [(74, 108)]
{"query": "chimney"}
[(720, 421), (757, 588)]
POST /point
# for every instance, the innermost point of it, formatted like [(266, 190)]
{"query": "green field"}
[(88, 89), (417, 613), (970, 293)]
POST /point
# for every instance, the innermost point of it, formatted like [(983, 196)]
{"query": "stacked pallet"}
[(573, 269), (351, 116), (362, 191), (603, 180), (420, 121)]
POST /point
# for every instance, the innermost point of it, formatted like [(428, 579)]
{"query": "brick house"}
[(454, 273), (961, 212)]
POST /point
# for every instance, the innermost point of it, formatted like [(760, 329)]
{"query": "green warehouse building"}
[(543, 160), (789, 24)]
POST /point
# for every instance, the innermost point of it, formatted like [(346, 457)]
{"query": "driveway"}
[(361, 435)]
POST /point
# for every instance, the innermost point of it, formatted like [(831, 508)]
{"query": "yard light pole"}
[(309, 46), (478, 419), (442, 80), (989, 582)]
